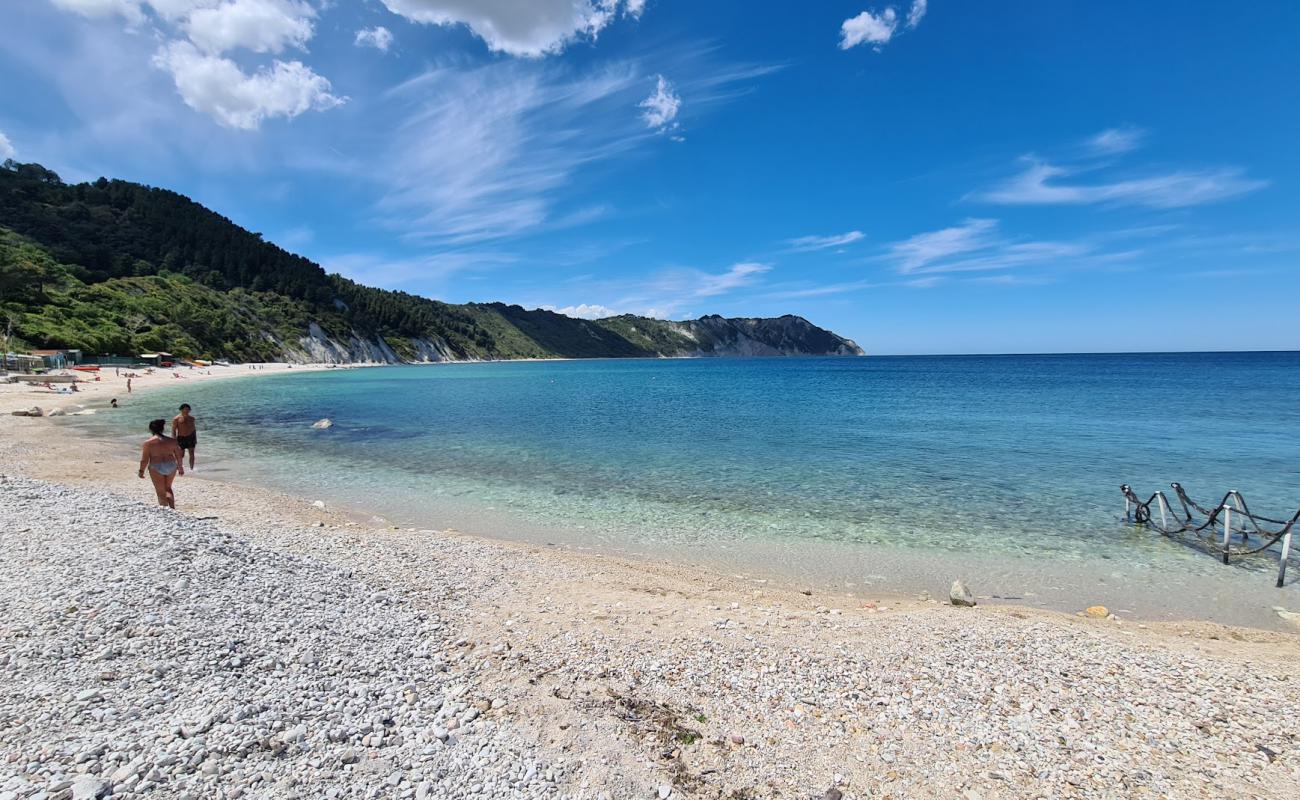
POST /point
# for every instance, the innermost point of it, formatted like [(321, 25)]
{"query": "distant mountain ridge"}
[(118, 267)]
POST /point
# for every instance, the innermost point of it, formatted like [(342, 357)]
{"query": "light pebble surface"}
[(283, 650)]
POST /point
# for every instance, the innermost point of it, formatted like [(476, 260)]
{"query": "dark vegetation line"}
[(118, 267)]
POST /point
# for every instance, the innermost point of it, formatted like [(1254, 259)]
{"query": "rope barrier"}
[(1215, 533)]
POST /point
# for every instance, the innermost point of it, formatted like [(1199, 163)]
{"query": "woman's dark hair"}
[(184, 407), (156, 426)]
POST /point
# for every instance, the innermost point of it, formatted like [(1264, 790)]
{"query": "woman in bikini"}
[(162, 457)]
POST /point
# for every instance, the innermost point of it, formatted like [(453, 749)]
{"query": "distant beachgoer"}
[(185, 431), (162, 458), (113, 403), (128, 385)]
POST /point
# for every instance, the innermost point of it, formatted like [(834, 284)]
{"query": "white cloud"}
[(97, 9), (218, 87), (1040, 184), (1114, 141), (665, 294), (585, 311), (6, 147), (531, 29), (917, 13), (377, 37), (804, 243), (739, 275), (876, 29), (977, 245), (925, 248), (263, 26), (661, 106)]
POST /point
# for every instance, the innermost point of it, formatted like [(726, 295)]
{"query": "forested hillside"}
[(118, 267)]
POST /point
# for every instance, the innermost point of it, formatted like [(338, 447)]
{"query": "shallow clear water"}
[(875, 472)]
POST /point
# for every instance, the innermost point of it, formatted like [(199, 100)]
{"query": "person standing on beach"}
[(128, 385), (185, 431), (162, 458)]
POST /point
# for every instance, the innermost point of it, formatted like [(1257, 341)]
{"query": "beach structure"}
[(58, 359), (1213, 528), (22, 362), (157, 359)]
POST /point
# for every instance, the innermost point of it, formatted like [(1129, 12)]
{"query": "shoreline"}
[(917, 578), (582, 675)]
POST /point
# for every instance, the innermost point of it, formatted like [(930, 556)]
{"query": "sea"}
[(860, 476)]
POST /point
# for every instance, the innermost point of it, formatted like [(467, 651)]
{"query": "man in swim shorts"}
[(185, 432)]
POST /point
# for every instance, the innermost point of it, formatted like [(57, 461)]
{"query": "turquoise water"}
[(874, 472)]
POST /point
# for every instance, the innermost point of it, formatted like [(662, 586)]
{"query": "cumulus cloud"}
[(805, 243), (196, 34), (878, 28), (377, 37), (6, 147), (263, 26), (1045, 184), (532, 29), (218, 87), (661, 106)]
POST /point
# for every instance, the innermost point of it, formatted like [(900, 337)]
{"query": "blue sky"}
[(922, 177)]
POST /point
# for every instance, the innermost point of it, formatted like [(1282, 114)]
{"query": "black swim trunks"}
[(187, 442)]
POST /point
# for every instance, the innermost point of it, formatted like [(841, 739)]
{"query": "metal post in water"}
[(1281, 561), (1164, 524), (1227, 530)]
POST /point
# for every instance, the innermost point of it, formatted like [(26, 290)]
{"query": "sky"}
[(922, 177)]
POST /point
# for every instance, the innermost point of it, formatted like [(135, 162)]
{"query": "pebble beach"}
[(253, 644)]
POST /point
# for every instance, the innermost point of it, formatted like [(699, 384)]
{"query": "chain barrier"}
[(1212, 528)]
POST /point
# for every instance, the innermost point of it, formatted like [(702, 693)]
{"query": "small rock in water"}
[(318, 503), (322, 424), (1097, 612), (960, 595)]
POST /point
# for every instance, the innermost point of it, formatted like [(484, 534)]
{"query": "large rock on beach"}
[(960, 595)]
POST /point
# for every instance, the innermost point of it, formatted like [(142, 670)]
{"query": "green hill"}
[(118, 267)]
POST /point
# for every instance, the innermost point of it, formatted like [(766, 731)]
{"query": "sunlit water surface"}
[(871, 474)]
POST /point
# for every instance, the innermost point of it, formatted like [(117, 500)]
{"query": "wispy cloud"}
[(809, 243), (1045, 184), (925, 249), (377, 270), (6, 147), (1114, 141), (485, 153), (664, 294), (978, 245)]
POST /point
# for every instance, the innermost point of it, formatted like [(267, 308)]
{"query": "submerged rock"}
[(322, 424), (959, 595)]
